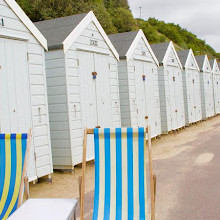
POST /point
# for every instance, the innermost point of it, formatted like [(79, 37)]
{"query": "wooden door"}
[(140, 93), (151, 110), (172, 80), (15, 104), (193, 95), (15, 92), (218, 93), (88, 97), (103, 92)]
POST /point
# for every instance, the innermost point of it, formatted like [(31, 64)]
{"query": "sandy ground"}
[(165, 152)]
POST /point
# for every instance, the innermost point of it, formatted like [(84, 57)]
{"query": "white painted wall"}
[(207, 95), (192, 94), (70, 103), (216, 87), (171, 93), (140, 98), (41, 162)]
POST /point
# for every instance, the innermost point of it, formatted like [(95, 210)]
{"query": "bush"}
[(123, 20)]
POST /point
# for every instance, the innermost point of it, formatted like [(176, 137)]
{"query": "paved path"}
[(189, 183)]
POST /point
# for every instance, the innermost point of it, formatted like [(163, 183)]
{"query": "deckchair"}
[(120, 174), (14, 154)]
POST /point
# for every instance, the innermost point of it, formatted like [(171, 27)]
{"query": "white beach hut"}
[(82, 79), (170, 87), (23, 88), (206, 85), (191, 86), (216, 84), (138, 81)]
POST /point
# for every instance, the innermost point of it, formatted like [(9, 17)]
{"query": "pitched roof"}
[(200, 60), (160, 50), (58, 29), (123, 41), (27, 22), (212, 62), (183, 55)]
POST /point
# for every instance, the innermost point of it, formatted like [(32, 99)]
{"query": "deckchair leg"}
[(152, 184), (155, 187), (26, 188), (83, 176), (80, 188)]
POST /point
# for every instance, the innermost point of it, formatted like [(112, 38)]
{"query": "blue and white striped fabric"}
[(120, 174)]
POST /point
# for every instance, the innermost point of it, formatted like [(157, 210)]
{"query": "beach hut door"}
[(94, 94), (140, 78), (15, 105)]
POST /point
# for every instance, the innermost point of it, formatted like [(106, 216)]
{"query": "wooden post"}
[(21, 191), (148, 143), (83, 176), (26, 188)]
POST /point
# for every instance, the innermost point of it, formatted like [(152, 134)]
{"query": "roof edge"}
[(131, 49), (90, 17), (191, 53), (27, 22), (171, 45)]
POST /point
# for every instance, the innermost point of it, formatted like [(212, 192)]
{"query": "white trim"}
[(188, 58), (215, 64), (171, 46), (90, 17), (14, 37), (27, 22), (134, 44), (92, 51), (206, 60)]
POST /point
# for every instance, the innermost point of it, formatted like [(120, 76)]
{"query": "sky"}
[(201, 17)]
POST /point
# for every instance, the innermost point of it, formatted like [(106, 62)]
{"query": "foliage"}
[(115, 16), (123, 20)]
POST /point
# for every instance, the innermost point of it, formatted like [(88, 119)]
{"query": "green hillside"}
[(115, 16)]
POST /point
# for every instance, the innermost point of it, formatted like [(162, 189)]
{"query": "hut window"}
[(143, 53), (173, 60)]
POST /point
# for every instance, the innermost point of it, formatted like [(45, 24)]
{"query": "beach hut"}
[(23, 88), (216, 84), (138, 81), (170, 87), (82, 77), (191, 86), (206, 86)]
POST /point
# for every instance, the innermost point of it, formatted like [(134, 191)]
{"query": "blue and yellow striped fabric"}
[(12, 155), (120, 174)]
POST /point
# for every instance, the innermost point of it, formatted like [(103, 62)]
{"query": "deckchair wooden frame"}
[(81, 179), (24, 187)]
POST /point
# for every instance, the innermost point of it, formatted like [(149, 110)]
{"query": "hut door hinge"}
[(94, 74), (193, 81), (27, 57), (78, 62), (173, 79), (35, 156)]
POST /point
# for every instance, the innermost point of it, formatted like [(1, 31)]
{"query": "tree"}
[(123, 20)]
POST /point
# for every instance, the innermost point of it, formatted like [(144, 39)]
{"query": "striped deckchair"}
[(120, 174), (14, 153)]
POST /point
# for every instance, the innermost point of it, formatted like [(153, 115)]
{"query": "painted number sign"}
[(2, 22), (94, 42)]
